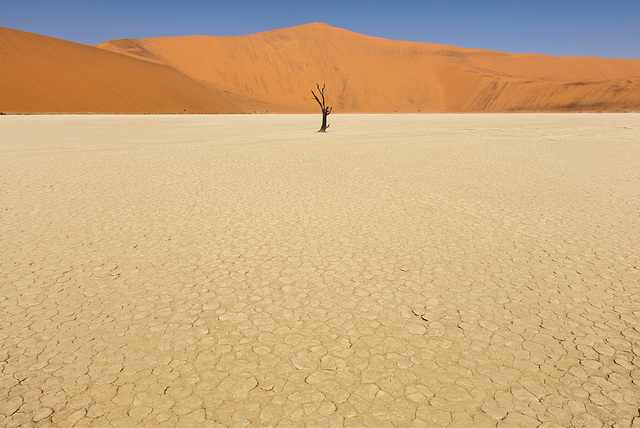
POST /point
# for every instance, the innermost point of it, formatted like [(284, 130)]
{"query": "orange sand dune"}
[(43, 74), (274, 71)]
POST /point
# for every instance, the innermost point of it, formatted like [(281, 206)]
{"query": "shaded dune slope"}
[(43, 74), (274, 71)]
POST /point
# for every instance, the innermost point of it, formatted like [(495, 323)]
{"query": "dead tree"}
[(326, 111)]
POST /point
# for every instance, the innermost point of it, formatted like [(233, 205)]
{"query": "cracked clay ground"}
[(400, 270)]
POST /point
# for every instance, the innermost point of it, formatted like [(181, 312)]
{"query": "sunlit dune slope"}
[(275, 71), (43, 74)]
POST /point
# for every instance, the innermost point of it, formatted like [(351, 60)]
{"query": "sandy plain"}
[(400, 270)]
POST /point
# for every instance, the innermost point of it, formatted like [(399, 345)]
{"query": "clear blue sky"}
[(603, 28)]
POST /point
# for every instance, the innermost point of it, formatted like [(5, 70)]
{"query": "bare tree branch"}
[(314, 96), (321, 92)]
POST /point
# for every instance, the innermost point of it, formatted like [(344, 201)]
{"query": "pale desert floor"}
[(407, 270)]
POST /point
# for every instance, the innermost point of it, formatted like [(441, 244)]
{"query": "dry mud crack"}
[(400, 270)]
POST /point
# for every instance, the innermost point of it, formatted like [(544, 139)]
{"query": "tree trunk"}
[(323, 128), (326, 111)]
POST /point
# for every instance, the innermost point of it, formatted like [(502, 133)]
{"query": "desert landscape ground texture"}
[(400, 270)]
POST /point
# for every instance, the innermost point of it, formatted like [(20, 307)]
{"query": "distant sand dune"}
[(275, 71), (43, 74)]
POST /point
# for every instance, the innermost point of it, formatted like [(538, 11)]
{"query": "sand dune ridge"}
[(275, 70)]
